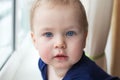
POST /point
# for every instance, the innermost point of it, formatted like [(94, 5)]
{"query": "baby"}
[(59, 29)]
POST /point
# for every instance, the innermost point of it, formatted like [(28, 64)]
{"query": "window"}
[(6, 30), (14, 26), (22, 20)]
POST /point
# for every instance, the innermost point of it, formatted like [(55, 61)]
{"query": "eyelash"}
[(48, 34), (68, 34)]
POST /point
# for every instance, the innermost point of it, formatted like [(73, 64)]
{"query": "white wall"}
[(23, 64)]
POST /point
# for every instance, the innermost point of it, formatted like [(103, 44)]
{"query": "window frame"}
[(13, 33)]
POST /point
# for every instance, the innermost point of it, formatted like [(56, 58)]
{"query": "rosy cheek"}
[(45, 54), (77, 48)]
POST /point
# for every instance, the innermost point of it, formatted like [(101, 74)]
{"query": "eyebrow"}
[(67, 28), (73, 27), (47, 29)]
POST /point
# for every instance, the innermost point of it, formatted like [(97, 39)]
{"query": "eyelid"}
[(48, 34), (71, 33)]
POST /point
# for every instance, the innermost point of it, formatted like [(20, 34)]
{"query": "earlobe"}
[(32, 36), (33, 39)]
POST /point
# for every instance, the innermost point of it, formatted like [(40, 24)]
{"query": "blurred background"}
[(18, 57)]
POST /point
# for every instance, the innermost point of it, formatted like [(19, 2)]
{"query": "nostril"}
[(63, 46)]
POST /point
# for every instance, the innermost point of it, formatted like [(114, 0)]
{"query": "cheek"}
[(77, 45), (76, 50), (44, 51), (75, 55)]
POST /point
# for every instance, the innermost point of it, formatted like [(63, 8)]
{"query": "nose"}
[(60, 44)]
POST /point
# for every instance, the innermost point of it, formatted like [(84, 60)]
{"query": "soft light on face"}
[(58, 35)]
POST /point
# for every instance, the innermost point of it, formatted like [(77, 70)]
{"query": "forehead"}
[(57, 16), (75, 4)]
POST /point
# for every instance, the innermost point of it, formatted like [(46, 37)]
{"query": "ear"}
[(85, 37), (34, 39)]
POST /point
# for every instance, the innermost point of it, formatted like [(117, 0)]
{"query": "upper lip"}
[(60, 55)]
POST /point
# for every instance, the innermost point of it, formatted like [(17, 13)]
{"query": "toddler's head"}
[(59, 29), (75, 4)]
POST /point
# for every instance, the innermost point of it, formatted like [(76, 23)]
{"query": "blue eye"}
[(48, 34), (70, 33)]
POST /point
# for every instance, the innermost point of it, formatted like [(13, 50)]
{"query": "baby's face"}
[(58, 36)]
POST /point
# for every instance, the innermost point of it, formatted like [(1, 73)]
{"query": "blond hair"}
[(53, 3)]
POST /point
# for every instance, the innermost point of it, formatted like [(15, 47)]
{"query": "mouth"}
[(61, 57)]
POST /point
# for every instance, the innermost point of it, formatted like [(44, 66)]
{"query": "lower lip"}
[(61, 58)]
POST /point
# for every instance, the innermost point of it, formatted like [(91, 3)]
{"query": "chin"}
[(63, 66)]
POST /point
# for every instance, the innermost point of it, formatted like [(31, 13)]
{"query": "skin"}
[(59, 38)]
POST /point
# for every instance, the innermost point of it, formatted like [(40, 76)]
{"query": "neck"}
[(56, 73)]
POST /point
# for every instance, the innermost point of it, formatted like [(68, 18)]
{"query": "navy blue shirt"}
[(85, 69)]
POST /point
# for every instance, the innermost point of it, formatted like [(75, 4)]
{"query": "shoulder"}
[(86, 69), (93, 70)]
